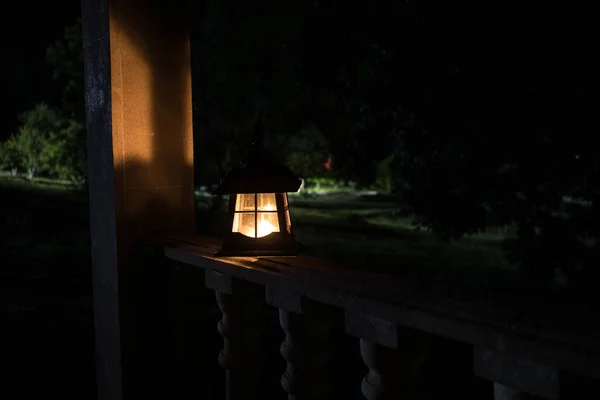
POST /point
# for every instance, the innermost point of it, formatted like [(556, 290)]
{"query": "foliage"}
[(467, 144), (47, 144), (357, 74), (305, 164), (307, 152), (9, 155), (383, 89), (324, 185), (65, 57), (240, 63), (64, 153), (493, 146), (305, 69), (323, 182), (383, 176), (51, 140), (29, 147)]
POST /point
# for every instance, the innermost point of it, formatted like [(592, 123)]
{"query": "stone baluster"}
[(393, 355), (516, 378), (502, 392), (241, 326), (308, 346), (375, 384)]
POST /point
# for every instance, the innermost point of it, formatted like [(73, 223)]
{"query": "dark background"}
[(27, 29), (493, 188)]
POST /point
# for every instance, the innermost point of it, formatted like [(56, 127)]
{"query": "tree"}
[(63, 156), (46, 144), (67, 152), (29, 146), (357, 61), (9, 155), (307, 152), (506, 141), (65, 57), (32, 139), (306, 63), (243, 59)]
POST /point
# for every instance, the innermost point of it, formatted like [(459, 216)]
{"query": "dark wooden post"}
[(140, 171)]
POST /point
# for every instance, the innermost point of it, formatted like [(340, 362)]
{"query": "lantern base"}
[(255, 253), (274, 245), (235, 250)]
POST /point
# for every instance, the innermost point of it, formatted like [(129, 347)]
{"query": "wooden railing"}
[(519, 346)]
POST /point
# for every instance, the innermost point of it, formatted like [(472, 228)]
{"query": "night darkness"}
[(449, 205), (27, 30)]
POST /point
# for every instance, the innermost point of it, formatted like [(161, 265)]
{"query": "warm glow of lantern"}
[(259, 209), (269, 207), (264, 228), (268, 222)]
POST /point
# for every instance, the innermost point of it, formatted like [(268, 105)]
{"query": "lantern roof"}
[(258, 173)]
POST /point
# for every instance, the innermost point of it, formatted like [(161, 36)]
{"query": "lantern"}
[(259, 221)]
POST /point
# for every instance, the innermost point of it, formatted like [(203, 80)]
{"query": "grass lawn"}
[(367, 231), (45, 291)]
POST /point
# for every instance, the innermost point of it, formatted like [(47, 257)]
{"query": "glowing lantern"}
[(259, 216)]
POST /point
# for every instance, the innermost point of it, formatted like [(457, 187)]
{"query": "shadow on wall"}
[(152, 113)]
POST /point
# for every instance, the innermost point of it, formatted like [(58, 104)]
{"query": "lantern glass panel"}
[(288, 222), (267, 223), (245, 202), (266, 202), (255, 214), (244, 223)]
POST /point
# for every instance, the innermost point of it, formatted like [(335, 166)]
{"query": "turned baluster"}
[(308, 346), (241, 326), (502, 392), (516, 378), (374, 384), (394, 357)]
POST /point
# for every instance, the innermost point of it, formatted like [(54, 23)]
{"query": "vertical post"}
[(140, 172)]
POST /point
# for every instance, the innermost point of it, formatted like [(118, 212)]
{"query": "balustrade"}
[(393, 335)]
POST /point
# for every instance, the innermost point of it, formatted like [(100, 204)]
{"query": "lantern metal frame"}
[(259, 174)]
